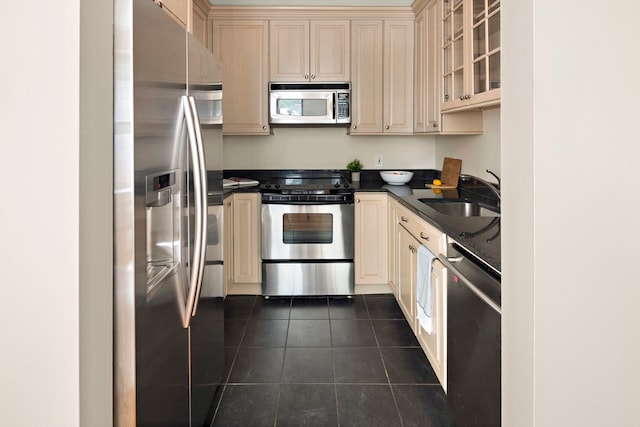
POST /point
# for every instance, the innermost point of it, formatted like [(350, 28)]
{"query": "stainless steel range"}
[(307, 234)]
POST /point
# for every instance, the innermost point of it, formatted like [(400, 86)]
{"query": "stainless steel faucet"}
[(490, 185)]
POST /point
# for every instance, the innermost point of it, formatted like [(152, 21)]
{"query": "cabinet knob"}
[(357, 200), (313, 76), (404, 219), (387, 127), (412, 249), (435, 125), (355, 127), (264, 127), (306, 76), (423, 236)]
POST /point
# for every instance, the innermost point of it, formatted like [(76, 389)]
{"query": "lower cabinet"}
[(371, 243), (243, 264), (411, 232), (434, 344), (406, 271)]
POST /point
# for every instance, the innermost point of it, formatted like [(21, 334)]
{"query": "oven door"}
[(307, 232)]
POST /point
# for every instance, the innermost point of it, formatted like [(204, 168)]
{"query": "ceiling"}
[(311, 2)]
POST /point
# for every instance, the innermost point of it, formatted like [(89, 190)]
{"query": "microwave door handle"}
[(334, 106), (201, 219), (193, 149)]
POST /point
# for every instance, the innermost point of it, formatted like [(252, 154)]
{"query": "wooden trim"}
[(307, 12)]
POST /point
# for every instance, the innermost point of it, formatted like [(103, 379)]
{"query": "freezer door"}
[(151, 352)]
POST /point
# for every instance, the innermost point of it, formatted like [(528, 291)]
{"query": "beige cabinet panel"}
[(393, 247), (398, 76), (371, 239), (242, 47), (366, 69), (406, 271), (434, 344), (382, 70), (228, 243), (247, 264), (309, 51), (199, 18), (177, 9)]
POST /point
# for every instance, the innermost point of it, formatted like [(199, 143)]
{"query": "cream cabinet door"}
[(366, 69), (247, 263), (177, 9), (406, 272), (242, 47), (435, 343), (228, 244), (199, 18), (398, 76), (393, 247), (382, 70), (371, 239), (309, 51)]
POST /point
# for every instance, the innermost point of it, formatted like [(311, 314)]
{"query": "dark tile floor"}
[(325, 362)]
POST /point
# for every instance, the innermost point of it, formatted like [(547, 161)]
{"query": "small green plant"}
[(354, 165)]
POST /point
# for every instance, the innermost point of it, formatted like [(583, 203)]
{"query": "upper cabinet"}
[(309, 51), (200, 11), (470, 54), (177, 9), (428, 117), (242, 47), (382, 77)]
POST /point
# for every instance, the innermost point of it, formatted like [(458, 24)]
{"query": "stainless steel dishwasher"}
[(473, 340)]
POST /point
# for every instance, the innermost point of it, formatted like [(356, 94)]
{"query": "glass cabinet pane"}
[(479, 41), (494, 32), (446, 60), (446, 9), (446, 96), (446, 30), (458, 54), (480, 76), (458, 22), (478, 11), (458, 84), (493, 5), (494, 71)]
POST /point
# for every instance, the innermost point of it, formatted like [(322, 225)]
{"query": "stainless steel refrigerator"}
[(168, 336)]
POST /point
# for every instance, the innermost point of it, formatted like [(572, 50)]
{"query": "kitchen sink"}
[(459, 208)]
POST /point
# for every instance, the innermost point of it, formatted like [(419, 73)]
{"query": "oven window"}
[(302, 107), (307, 228)]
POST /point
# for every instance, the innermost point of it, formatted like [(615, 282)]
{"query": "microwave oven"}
[(309, 103)]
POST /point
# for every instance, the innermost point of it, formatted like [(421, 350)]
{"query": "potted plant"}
[(354, 166)]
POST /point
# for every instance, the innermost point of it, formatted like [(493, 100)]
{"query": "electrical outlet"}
[(378, 161)]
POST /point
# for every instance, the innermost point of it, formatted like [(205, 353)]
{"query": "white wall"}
[(327, 148), (55, 245), (570, 289), (478, 152)]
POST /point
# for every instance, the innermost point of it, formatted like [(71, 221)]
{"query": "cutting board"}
[(450, 173)]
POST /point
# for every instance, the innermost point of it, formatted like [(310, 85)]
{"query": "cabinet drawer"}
[(426, 233)]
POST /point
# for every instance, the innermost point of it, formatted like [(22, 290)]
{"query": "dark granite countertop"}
[(478, 235)]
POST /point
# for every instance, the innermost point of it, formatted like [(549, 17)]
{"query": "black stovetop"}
[(307, 182)]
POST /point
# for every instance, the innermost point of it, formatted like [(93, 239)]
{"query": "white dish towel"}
[(423, 294)]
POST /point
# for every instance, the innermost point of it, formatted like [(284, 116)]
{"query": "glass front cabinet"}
[(470, 54)]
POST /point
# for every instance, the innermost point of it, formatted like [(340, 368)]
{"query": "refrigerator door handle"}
[(197, 264), (202, 173)]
